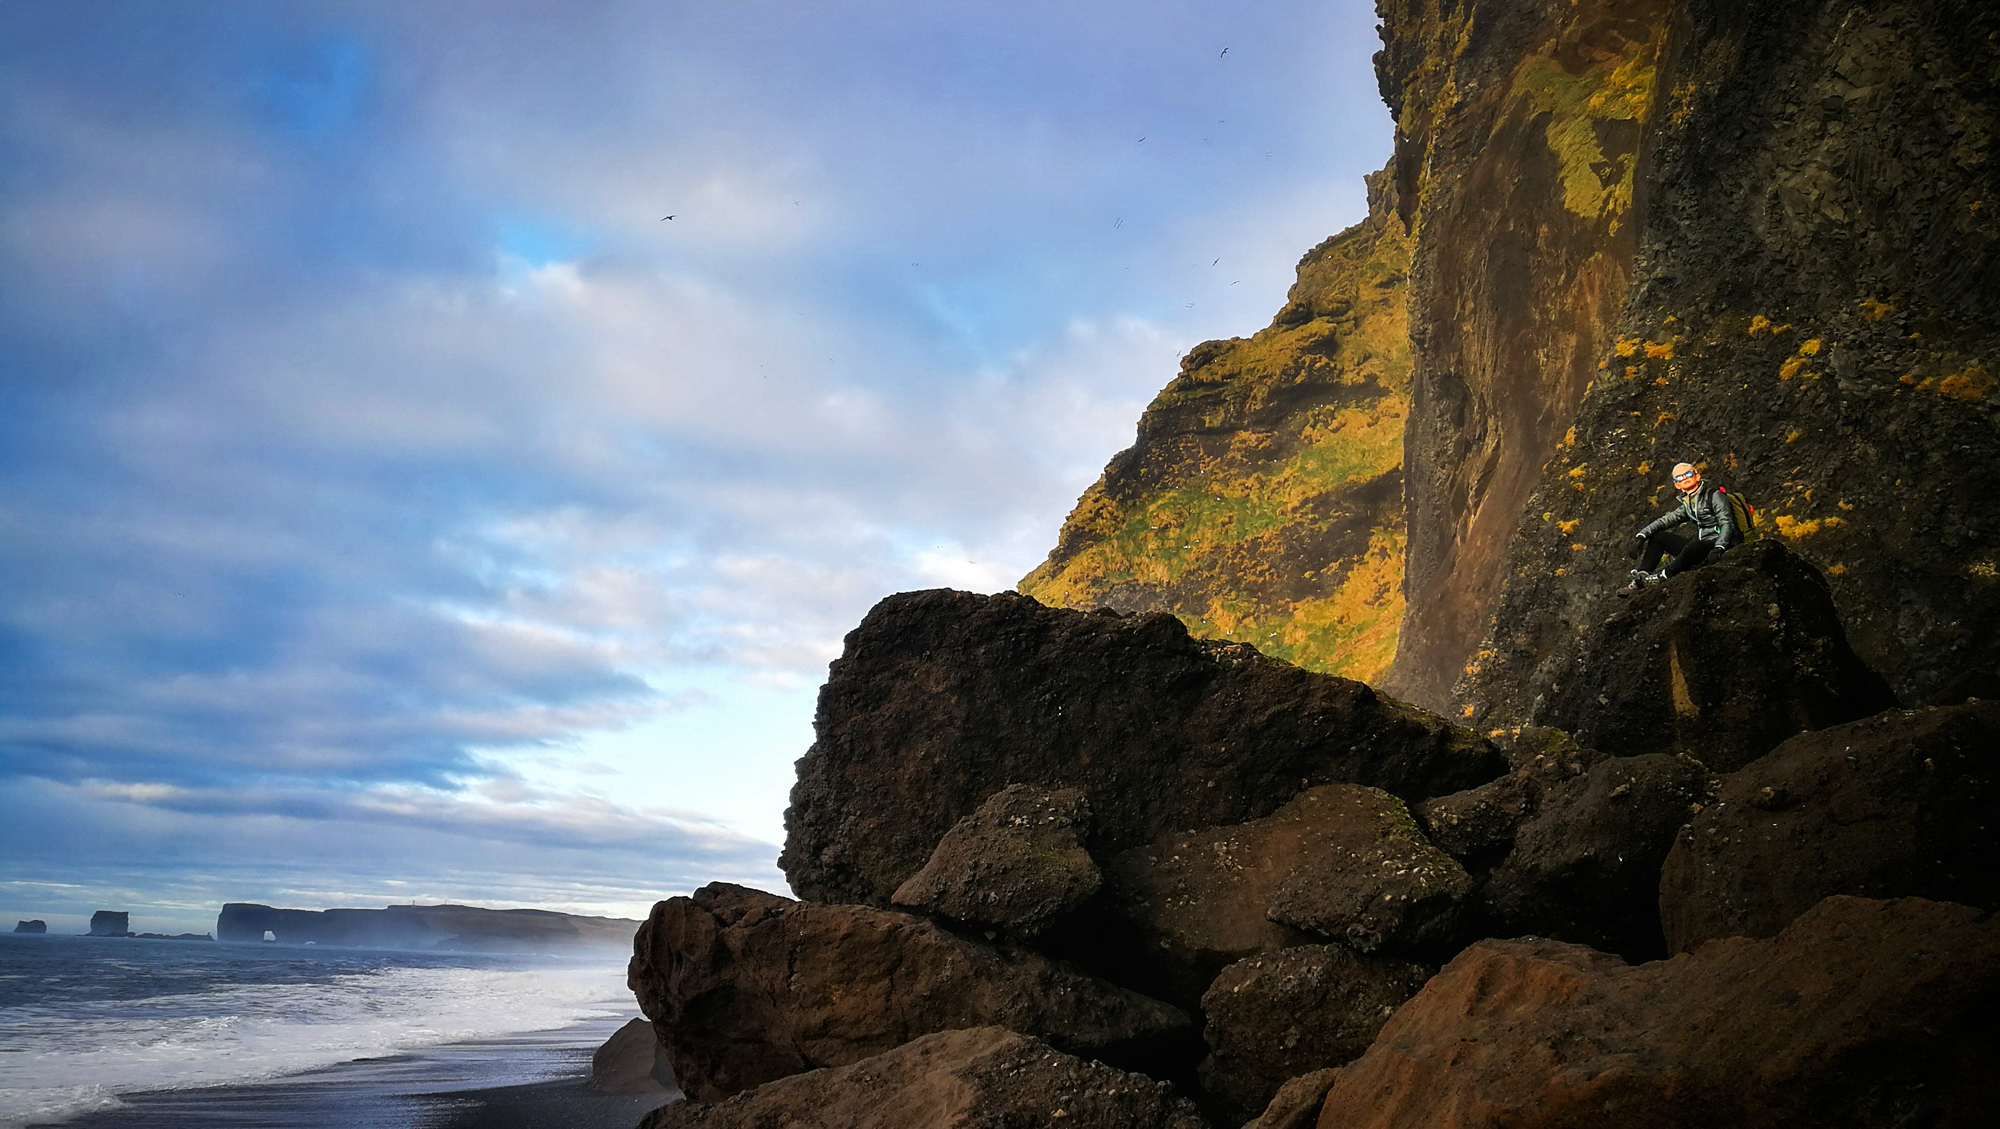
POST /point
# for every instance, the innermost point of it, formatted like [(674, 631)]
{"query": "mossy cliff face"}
[(1520, 136), (1811, 320), (1263, 499)]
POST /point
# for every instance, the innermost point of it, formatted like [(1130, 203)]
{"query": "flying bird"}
[(1225, 51), (664, 219)]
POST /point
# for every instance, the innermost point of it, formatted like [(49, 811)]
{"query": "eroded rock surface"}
[(980, 1078), (1339, 861), (1477, 826), (1275, 1017), (1016, 864), (1903, 804), (942, 698), (1586, 868), (1861, 1013), (747, 987), (1721, 663)]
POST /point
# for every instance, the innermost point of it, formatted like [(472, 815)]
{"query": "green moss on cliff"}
[(1263, 499)]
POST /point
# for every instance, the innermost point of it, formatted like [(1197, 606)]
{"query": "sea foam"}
[(67, 1051)]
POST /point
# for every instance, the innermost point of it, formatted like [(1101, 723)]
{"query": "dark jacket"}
[(1709, 510)]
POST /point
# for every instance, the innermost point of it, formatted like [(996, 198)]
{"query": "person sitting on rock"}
[(1715, 532)]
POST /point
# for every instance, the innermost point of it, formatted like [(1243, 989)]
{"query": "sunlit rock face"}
[(1789, 279), (1519, 152), (1263, 499)]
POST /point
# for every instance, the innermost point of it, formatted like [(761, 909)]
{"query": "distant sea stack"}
[(423, 927), (35, 926), (110, 923)]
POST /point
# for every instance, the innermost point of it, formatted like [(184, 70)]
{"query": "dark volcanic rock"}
[(1016, 864), (632, 1061), (1477, 826), (35, 926), (1902, 804), (1370, 878), (1339, 861), (980, 1078), (1721, 663), (111, 923), (1859, 1014), (748, 987), (942, 698), (1586, 868), (1272, 1018)]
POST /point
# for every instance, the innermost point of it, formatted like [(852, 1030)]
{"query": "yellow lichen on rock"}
[(1596, 183), (1262, 502), (1974, 383)]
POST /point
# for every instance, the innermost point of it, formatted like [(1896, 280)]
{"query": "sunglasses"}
[(1687, 476)]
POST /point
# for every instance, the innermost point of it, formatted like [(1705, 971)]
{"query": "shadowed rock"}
[(980, 1078), (1721, 663), (1477, 826), (1898, 805), (1297, 1103), (747, 987), (1861, 1013), (1586, 868), (632, 1061), (1339, 861), (1274, 1017), (942, 698), (1016, 864)]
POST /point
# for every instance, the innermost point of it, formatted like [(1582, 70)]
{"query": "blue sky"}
[(394, 505)]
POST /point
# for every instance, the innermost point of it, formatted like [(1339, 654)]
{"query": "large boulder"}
[(1860, 1014), (1586, 868), (942, 698), (980, 1078), (1721, 663), (747, 987), (1273, 1018), (1338, 862), (1897, 805), (1017, 864)]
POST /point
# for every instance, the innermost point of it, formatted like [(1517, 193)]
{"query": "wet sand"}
[(533, 1082)]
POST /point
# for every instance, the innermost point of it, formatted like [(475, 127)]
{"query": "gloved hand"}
[(1714, 554), (1635, 546)]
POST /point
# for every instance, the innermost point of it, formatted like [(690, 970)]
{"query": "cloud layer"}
[(391, 496)]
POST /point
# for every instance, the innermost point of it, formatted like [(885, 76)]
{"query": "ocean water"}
[(92, 1024)]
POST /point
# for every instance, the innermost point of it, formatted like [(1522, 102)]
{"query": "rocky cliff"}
[(422, 927), (1811, 318), (1616, 235), (1691, 858), (1263, 499)]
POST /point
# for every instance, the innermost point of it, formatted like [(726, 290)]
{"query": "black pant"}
[(1688, 552)]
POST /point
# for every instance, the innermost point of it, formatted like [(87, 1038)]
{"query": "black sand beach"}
[(532, 1082)]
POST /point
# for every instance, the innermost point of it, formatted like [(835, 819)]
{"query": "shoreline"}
[(539, 1080)]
